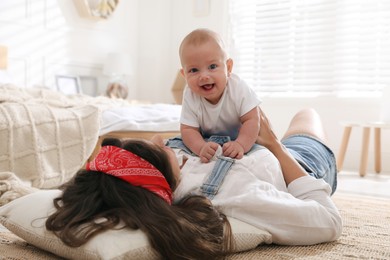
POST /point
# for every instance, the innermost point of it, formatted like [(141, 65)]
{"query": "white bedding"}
[(116, 114), (154, 117)]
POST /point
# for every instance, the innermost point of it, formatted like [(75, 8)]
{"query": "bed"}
[(45, 137), (139, 121), (36, 123)]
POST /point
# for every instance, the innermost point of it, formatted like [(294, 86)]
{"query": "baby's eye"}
[(193, 70), (213, 66)]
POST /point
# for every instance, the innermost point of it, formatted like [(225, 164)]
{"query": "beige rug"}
[(366, 235)]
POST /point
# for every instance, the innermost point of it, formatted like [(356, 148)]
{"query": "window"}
[(311, 46)]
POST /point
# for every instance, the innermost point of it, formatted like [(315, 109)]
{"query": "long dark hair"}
[(189, 229)]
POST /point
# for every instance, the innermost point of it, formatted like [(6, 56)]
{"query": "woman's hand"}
[(266, 136), (290, 168)]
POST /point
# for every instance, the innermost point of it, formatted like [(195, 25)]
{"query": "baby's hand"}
[(207, 152), (233, 149)]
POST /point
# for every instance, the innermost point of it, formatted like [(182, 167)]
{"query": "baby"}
[(216, 101)]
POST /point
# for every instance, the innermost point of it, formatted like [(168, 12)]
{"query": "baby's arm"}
[(194, 140), (246, 137)]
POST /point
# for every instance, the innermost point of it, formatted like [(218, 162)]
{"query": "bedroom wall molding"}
[(5, 14), (90, 74), (19, 66), (52, 14), (23, 12)]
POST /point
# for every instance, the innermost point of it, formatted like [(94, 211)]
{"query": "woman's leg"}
[(307, 122), (314, 156)]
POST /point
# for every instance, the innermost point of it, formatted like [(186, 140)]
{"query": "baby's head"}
[(205, 64), (199, 37)]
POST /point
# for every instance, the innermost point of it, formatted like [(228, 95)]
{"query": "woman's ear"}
[(229, 65)]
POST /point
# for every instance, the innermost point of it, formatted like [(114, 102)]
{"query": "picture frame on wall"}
[(68, 84), (89, 85)]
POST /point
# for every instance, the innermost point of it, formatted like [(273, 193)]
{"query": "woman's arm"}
[(291, 169), (322, 221)]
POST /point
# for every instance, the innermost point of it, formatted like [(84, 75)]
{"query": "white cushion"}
[(26, 218)]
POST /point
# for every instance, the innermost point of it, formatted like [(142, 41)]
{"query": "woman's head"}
[(139, 163), (96, 201)]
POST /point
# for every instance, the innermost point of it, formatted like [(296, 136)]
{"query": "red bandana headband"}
[(131, 168)]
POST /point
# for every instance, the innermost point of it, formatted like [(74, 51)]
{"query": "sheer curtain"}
[(311, 46)]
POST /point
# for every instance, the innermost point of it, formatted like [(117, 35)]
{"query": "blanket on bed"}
[(45, 137), (11, 187)]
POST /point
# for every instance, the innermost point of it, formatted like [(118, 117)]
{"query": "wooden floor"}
[(376, 185)]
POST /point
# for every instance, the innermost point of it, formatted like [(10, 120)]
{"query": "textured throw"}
[(366, 235), (11, 187), (45, 137)]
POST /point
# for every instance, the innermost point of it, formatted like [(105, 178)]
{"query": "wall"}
[(162, 26), (48, 37), (154, 50)]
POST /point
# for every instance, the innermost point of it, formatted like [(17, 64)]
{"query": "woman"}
[(273, 189), (268, 188)]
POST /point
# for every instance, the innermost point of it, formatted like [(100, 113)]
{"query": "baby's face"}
[(206, 70)]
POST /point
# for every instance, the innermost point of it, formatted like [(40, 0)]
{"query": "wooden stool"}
[(377, 126)]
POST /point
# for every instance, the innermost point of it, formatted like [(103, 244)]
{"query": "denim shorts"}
[(314, 156)]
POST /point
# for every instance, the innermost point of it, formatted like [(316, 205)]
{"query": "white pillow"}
[(26, 218)]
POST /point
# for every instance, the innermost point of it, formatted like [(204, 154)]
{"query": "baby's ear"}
[(112, 141), (229, 65)]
